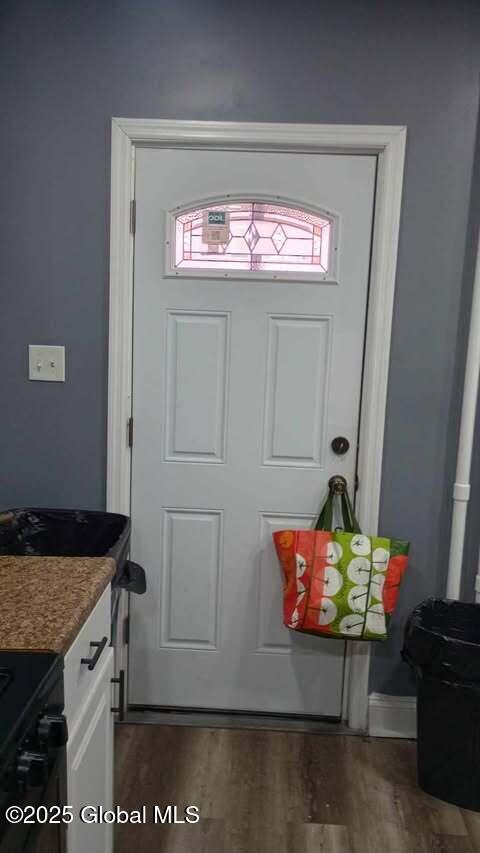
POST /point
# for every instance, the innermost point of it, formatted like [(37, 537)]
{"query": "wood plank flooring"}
[(281, 792)]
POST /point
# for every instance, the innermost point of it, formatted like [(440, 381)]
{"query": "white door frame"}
[(388, 143)]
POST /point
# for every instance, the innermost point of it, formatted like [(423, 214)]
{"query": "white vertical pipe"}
[(461, 487)]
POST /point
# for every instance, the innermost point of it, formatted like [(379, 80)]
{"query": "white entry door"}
[(250, 296)]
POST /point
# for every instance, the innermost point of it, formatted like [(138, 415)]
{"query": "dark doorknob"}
[(340, 445), (52, 730), (32, 769)]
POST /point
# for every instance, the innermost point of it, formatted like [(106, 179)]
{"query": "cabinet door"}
[(78, 679), (90, 766)]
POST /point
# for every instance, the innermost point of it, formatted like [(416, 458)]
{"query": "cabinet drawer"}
[(78, 678)]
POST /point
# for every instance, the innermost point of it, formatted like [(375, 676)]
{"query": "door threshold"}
[(141, 715)]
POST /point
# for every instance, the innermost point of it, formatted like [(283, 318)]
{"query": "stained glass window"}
[(252, 235)]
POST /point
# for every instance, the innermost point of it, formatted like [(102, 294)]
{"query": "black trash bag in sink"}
[(133, 578), (32, 531)]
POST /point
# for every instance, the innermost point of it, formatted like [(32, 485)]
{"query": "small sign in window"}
[(215, 226)]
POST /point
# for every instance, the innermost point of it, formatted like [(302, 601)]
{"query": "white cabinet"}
[(88, 700)]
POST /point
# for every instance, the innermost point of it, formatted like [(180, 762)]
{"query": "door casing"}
[(388, 143)]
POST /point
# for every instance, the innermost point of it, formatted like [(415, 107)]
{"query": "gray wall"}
[(67, 67), (472, 539)]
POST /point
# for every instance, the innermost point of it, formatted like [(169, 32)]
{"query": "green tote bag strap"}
[(347, 512), (325, 519), (337, 487)]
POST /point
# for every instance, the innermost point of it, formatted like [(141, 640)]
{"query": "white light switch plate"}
[(46, 364)]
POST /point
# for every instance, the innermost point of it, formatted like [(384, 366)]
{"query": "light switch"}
[(46, 364)]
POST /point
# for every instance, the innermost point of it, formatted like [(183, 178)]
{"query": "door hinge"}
[(357, 483), (126, 630), (133, 216), (130, 432)]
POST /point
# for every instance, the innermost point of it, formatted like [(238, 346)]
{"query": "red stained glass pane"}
[(262, 236)]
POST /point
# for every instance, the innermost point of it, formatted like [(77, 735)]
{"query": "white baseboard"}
[(392, 716)]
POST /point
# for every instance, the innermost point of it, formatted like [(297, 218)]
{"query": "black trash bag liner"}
[(442, 639), (448, 743), (442, 644), (133, 578), (65, 533)]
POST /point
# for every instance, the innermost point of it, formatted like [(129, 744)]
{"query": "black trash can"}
[(442, 644)]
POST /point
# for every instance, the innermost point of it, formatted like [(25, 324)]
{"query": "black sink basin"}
[(65, 533)]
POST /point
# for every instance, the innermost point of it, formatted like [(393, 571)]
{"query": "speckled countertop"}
[(44, 601)]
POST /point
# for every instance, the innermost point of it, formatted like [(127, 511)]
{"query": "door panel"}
[(197, 359), (191, 560), (294, 415), (239, 387)]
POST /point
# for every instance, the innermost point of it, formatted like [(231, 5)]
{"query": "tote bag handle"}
[(337, 488)]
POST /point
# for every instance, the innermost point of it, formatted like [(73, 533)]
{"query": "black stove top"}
[(33, 734), (24, 677)]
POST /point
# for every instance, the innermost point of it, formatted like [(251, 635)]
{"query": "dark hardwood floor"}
[(281, 792)]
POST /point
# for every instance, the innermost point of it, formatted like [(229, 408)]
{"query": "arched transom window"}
[(255, 236)]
